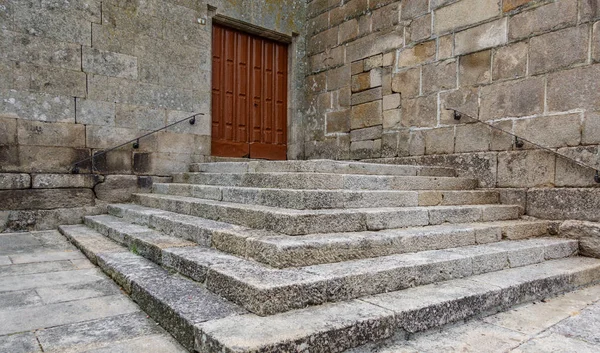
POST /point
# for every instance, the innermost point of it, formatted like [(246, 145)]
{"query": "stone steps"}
[(336, 327), (301, 222), (286, 251), (177, 304), (203, 321), (327, 181), (323, 199), (320, 166), (266, 291)]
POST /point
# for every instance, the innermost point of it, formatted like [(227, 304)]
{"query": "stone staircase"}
[(323, 256)]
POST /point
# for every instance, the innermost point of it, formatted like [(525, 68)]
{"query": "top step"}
[(320, 166)]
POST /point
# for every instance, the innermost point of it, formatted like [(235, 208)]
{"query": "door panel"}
[(249, 95)]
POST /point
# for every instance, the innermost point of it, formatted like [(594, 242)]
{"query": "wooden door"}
[(249, 95)]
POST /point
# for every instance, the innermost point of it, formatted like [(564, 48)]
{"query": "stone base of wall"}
[(33, 220)]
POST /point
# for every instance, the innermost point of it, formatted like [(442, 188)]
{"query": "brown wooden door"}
[(249, 96)]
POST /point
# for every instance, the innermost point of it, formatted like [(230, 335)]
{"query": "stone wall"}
[(385, 77), (80, 76)]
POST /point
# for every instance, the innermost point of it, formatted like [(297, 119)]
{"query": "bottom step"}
[(202, 321)]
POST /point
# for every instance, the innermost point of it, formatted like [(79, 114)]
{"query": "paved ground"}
[(52, 299)]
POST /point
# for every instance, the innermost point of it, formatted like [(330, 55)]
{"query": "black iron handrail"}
[(519, 142), (135, 141)]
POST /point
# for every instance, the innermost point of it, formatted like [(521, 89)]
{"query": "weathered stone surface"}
[(484, 36), (39, 133), (472, 138), (37, 106), (588, 234), (419, 112), (20, 343), (366, 80), (475, 68), (367, 96), (554, 15), (439, 76), (464, 100), (374, 44), (46, 199), (510, 5), (439, 140), (117, 188), (109, 63), (52, 81), (407, 82), (14, 181), (510, 61), (558, 49), (420, 53), (577, 88), (464, 13), (581, 204), (365, 115), (512, 99), (370, 133), (550, 131), (420, 28), (526, 169), (95, 113)]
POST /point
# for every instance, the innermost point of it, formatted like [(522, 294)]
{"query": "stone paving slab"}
[(52, 299), (568, 323)]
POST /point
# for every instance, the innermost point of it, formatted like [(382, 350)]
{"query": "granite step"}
[(336, 327), (265, 291), (322, 199), (321, 166), (283, 251), (176, 303), (301, 222), (327, 181)]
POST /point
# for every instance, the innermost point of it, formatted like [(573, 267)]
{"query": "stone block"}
[(370, 133), (418, 54), (89, 112), (570, 174), (500, 140), (445, 47), (38, 133), (475, 69), (464, 13), (7, 73), (109, 63), (487, 35), (510, 61), (407, 82), (48, 159), (48, 199), (472, 138), (348, 31), (367, 96), (113, 39), (339, 77), (558, 49), (577, 88), (464, 100), (338, 121), (419, 29), (365, 115), (9, 181), (439, 140), (420, 111), (551, 131), (373, 44), (413, 8), (53, 22), (391, 101), (40, 51), (510, 5), (357, 67), (50, 80), (512, 99), (588, 234), (54, 181), (361, 149), (117, 188), (554, 15), (438, 76), (564, 203), (366, 80), (103, 137), (322, 41), (139, 117), (8, 131), (37, 106), (590, 132), (526, 168), (392, 119), (416, 144), (373, 62)]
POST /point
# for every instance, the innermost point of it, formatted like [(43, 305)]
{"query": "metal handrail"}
[(519, 142), (135, 141)]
